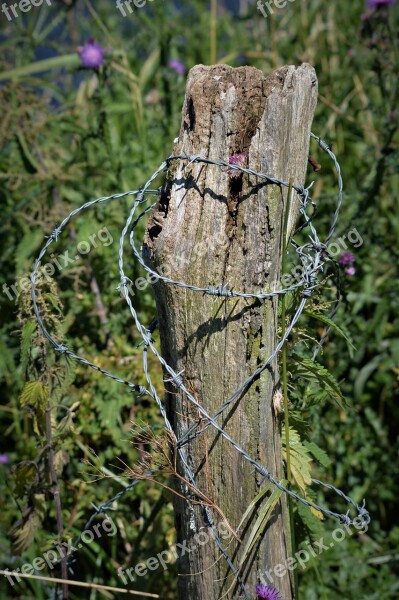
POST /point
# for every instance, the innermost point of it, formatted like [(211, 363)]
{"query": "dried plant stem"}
[(285, 378), (213, 31), (93, 586), (57, 500), (284, 349)]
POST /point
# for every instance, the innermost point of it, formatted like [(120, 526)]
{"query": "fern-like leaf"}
[(318, 453), (301, 463), (334, 326), (310, 521), (314, 371), (300, 459)]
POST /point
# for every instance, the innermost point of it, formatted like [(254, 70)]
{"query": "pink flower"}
[(91, 54), (240, 160), (350, 271), (346, 258), (266, 592), (376, 3), (177, 66), (4, 459)]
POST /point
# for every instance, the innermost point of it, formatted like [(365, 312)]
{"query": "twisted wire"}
[(312, 255)]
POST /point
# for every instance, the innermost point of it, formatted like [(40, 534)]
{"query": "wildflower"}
[(240, 160), (346, 258), (371, 5), (177, 66), (376, 3), (350, 271), (4, 459), (91, 54), (266, 592)]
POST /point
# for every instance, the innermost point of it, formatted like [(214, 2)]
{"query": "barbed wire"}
[(312, 255)]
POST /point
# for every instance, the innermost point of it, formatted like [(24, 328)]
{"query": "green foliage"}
[(34, 397), (322, 384), (264, 513), (23, 532), (334, 326), (301, 453), (25, 476), (26, 342)]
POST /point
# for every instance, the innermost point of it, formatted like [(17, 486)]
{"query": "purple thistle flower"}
[(91, 54), (350, 271), (237, 159), (267, 592), (4, 459), (177, 66), (346, 258), (376, 3)]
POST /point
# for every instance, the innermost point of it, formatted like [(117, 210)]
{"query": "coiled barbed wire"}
[(312, 255)]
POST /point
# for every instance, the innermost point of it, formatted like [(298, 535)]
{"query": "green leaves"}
[(264, 513), (23, 532), (68, 60), (300, 460), (26, 476), (26, 339), (34, 397), (66, 425), (61, 459), (301, 453), (310, 520), (27, 246), (309, 370), (334, 326), (319, 454)]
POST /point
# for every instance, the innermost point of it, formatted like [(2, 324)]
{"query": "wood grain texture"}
[(207, 229)]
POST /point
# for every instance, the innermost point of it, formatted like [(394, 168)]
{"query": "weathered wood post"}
[(211, 227)]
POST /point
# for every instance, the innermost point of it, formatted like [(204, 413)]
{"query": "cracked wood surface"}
[(208, 229)]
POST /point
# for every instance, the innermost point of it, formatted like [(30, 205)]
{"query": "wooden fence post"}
[(213, 227)]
